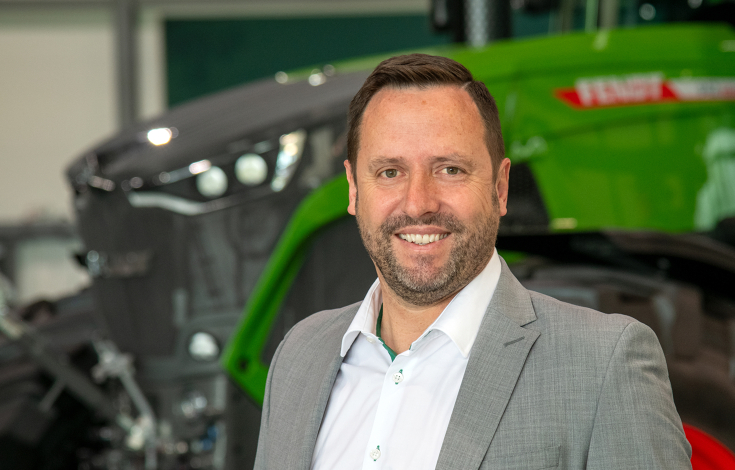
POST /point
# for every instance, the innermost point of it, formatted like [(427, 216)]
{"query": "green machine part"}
[(630, 129), (241, 357), (636, 156)]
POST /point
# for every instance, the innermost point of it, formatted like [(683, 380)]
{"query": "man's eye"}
[(452, 170), (390, 173)]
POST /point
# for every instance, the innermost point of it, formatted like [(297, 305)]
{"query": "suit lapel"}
[(495, 363), (314, 397)]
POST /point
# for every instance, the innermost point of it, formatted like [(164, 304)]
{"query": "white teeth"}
[(422, 239)]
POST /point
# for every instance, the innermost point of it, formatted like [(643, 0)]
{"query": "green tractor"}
[(622, 198)]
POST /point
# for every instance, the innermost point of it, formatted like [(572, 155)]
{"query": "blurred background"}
[(171, 199)]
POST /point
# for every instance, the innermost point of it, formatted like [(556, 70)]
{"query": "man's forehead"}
[(422, 125), (394, 105)]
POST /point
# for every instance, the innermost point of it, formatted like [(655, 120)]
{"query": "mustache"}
[(396, 222)]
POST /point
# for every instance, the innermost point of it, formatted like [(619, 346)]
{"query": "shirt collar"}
[(460, 320), (365, 319)]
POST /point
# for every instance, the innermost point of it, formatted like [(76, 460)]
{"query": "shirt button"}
[(375, 454), (398, 377), (370, 339)]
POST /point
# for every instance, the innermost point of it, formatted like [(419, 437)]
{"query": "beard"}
[(422, 284)]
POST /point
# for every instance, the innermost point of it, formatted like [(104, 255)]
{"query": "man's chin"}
[(423, 272), (420, 281), (422, 278), (418, 292)]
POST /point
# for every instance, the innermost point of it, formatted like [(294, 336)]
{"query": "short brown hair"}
[(424, 71)]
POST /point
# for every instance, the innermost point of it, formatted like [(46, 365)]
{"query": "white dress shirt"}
[(394, 415)]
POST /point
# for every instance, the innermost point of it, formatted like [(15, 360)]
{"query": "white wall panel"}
[(57, 97)]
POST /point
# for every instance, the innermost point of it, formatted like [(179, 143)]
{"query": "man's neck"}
[(403, 323)]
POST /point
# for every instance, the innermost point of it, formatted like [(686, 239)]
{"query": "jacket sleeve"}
[(262, 452), (636, 424)]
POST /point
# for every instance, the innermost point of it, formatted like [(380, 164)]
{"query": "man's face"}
[(429, 205)]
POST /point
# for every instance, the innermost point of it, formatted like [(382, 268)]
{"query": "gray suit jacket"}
[(547, 385)]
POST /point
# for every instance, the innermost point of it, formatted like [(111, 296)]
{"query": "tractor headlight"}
[(203, 346), (289, 154), (251, 169), (212, 183)]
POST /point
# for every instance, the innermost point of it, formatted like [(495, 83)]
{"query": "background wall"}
[(57, 98), (206, 55)]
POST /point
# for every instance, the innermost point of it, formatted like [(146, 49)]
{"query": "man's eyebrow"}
[(438, 159), (454, 158), (383, 161)]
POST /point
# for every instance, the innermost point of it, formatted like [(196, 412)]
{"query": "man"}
[(449, 362)]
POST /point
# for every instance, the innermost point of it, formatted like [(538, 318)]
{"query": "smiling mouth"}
[(419, 239)]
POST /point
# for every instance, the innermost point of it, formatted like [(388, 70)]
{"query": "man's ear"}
[(353, 188), (501, 185)]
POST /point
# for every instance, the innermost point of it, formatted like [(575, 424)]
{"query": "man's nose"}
[(422, 196)]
